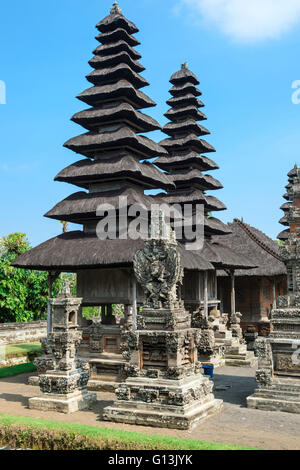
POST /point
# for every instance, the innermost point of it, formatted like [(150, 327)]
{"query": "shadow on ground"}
[(239, 388)]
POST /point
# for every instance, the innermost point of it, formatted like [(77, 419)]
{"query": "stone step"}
[(240, 363)]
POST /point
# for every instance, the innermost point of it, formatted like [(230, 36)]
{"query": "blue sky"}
[(245, 59)]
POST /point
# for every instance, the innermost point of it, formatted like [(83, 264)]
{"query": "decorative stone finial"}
[(66, 289), (115, 9), (184, 66)]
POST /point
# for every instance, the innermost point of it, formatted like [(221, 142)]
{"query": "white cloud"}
[(248, 20)]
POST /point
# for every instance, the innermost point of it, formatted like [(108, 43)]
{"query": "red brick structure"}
[(256, 289)]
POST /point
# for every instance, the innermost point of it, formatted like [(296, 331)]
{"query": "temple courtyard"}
[(235, 425)]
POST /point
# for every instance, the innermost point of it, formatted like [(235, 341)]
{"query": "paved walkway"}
[(235, 425)]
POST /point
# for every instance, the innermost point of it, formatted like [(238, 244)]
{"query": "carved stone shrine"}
[(278, 375), (165, 385), (64, 380)]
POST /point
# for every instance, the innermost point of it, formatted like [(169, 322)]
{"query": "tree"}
[(23, 293)]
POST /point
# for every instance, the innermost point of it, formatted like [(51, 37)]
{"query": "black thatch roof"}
[(175, 114), (284, 221), (115, 48), (122, 166), (284, 235), (119, 34), (186, 159), (185, 162), (190, 142), (115, 21), (286, 206), (222, 256), (99, 61), (92, 117), (214, 226), (255, 245), (185, 100), (183, 88), (76, 250), (195, 177), (123, 137), (189, 125), (121, 89), (293, 172), (193, 196), (82, 205), (111, 74), (184, 76)]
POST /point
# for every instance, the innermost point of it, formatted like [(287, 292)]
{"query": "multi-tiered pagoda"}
[(292, 201), (186, 165), (185, 162), (114, 171)]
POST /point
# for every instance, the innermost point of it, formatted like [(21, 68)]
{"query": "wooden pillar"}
[(206, 294), (274, 295), (49, 322), (134, 303), (232, 277)]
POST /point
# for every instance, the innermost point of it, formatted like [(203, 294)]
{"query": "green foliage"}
[(39, 434), (23, 293), (280, 242), (17, 370)]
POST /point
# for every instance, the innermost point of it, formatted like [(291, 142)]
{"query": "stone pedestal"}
[(165, 385), (278, 375), (64, 379)]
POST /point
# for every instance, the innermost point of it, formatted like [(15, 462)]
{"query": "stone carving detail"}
[(64, 377), (123, 393), (264, 377), (158, 270)]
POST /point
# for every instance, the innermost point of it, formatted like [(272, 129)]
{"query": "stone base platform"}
[(165, 403), (93, 384), (282, 395), (81, 400), (238, 356), (162, 418), (102, 385)]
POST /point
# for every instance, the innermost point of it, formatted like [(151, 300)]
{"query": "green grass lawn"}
[(17, 370), (18, 350), (107, 438)]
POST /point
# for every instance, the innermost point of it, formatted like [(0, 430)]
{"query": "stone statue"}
[(158, 270)]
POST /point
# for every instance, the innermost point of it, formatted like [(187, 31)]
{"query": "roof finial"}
[(184, 66), (115, 9)]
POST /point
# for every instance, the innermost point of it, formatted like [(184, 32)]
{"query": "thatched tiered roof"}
[(250, 242), (115, 167), (287, 207), (185, 163)]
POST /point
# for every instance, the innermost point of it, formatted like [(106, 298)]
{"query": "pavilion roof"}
[(77, 250), (261, 250)]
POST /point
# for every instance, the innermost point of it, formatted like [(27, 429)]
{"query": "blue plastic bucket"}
[(209, 370)]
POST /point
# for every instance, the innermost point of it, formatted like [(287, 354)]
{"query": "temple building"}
[(114, 173), (256, 289)]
